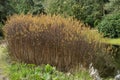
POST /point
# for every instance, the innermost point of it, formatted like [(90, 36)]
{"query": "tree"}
[(113, 6), (62, 7), (27, 6), (90, 11)]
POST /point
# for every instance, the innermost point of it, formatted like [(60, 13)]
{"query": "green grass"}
[(3, 57), (107, 40), (112, 41), (45, 72)]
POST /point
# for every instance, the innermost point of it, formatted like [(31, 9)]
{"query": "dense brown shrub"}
[(61, 42)]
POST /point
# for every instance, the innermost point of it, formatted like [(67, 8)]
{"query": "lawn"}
[(112, 41)]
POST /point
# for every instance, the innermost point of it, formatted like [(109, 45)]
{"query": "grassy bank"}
[(113, 41), (107, 40)]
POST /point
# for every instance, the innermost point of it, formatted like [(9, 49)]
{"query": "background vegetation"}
[(79, 20), (110, 26)]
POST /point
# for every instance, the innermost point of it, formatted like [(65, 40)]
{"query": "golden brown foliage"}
[(61, 42)]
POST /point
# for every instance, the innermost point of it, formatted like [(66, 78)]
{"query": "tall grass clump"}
[(44, 39)]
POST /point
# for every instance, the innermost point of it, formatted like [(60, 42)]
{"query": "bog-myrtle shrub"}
[(54, 40)]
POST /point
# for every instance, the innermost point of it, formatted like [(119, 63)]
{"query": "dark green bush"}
[(110, 26), (5, 10), (1, 33)]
